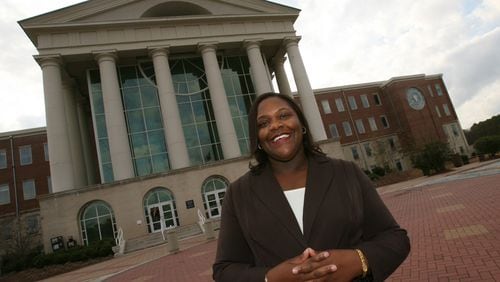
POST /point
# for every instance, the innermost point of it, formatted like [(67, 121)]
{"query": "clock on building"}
[(415, 98)]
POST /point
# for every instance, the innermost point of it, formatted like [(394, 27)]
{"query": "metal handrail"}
[(201, 221)]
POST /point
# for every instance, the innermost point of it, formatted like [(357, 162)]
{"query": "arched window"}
[(97, 222), (213, 191), (160, 210)]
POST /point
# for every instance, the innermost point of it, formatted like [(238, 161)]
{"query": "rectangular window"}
[(355, 154), (352, 103), (326, 106), (373, 124), (446, 109), (376, 98), (438, 112), (339, 104), (3, 158), (333, 130), (25, 155), (438, 89), (368, 149), (384, 121), (429, 88), (4, 194), (392, 145), (46, 151), (49, 183), (364, 101), (360, 126), (454, 129), (29, 191), (347, 128)]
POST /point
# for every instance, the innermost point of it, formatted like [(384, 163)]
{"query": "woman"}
[(298, 215)]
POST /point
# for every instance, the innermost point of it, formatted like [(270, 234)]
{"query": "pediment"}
[(109, 11)]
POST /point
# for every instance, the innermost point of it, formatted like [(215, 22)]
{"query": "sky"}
[(343, 42)]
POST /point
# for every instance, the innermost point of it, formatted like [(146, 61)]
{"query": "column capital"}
[(163, 50), (254, 42), (291, 40), (48, 60), (278, 60), (204, 46), (103, 55)]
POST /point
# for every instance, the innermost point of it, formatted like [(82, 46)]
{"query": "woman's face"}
[(279, 129)]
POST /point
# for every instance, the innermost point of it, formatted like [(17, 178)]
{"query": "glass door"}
[(161, 216), (214, 202)]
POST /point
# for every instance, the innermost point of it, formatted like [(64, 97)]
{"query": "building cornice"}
[(23, 132)]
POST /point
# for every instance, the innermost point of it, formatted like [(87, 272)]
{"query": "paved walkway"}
[(452, 219)]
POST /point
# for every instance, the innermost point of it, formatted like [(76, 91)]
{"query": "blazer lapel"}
[(319, 178), (269, 192)]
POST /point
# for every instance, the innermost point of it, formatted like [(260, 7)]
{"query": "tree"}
[(487, 127), (488, 145), (432, 157)]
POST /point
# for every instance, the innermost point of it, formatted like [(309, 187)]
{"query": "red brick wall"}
[(38, 170)]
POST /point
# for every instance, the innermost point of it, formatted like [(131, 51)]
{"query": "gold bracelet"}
[(364, 262)]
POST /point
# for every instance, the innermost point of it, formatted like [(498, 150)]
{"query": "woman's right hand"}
[(284, 271)]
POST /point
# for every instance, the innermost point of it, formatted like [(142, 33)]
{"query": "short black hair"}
[(260, 156)]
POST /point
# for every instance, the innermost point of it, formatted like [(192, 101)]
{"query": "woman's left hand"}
[(347, 262)]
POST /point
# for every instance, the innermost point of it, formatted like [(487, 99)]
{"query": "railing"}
[(201, 221), (120, 242)]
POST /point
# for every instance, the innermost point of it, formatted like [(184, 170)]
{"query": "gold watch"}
[(364, 262)]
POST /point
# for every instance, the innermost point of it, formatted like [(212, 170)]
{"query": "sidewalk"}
[(452, 220)]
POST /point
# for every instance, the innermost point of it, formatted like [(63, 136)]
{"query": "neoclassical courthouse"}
[(147, 101)]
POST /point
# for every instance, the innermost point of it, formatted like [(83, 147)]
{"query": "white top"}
[(295, 198)]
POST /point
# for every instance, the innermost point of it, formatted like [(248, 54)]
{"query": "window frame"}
[(386, 123), (325, 104), (364, 101), (339, 103), (352, 103), (373, 124), (347, 125), (446, 110), (333, 125), (360, 126), (4, 187), (25, 182), (22, 160), (3, 152), (376, 99)]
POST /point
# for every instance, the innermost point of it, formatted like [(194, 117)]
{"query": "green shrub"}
[(488, 145), (431, 158), (380, 171)]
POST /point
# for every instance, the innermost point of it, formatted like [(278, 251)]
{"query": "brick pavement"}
[(454, 230)]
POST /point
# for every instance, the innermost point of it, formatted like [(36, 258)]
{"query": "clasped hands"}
[(311, 265)]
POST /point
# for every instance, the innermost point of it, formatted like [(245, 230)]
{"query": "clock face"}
[(415, 98)]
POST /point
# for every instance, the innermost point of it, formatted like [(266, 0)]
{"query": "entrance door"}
[(161, 216), (214, 202)]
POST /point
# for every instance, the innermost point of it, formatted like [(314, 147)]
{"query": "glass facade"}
[(101, 132), (240, 95), (144, 122), (97, 222), (144, 118)]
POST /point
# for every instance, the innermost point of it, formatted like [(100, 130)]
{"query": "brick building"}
[(24, 175), (379, 122)]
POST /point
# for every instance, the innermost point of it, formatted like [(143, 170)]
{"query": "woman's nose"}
[(275, 124)]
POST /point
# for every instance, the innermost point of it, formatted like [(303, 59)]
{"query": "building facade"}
[(147, 103), (379, 123), (24, 175), (146, 108)]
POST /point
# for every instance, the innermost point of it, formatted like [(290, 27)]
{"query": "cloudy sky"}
[(343, 42)]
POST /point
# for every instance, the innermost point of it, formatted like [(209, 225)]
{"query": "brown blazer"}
[(342, 210)]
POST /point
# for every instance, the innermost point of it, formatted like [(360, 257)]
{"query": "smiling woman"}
[(298, 215)]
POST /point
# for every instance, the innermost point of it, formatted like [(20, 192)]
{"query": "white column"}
[(223, 118), (174, 134), (61, 165), (115, 119), (307, 100), (257, 68), (74, 135), (281, 77)]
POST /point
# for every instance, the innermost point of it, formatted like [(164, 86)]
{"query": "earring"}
[(259, 147), (304, 130)]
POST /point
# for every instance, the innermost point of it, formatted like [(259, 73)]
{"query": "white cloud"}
[(344, 42)]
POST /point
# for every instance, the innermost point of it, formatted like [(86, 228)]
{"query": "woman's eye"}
[(284, 115), (262, 124)]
